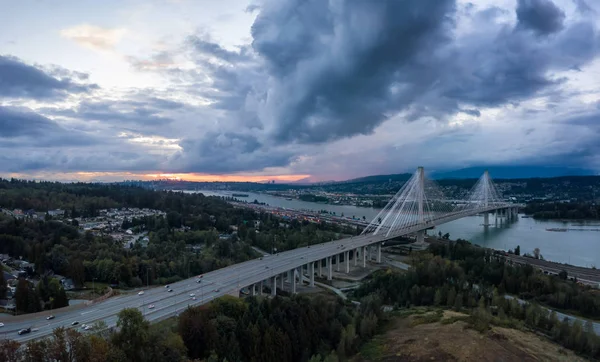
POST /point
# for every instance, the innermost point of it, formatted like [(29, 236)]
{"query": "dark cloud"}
[(321, 71), (206, 47), (20, 80), (230, 152), (125, 113), (339, 68), (541, 16), (472, 112), (24, 128)]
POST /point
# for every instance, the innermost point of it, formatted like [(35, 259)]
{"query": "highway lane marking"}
[(89, 311)]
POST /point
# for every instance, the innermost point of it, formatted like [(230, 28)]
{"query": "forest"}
[(316, 329), (58, 247), (461, 276), (563, 210)]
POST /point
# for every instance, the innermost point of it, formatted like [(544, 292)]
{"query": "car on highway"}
[(216, 290), (141, 293), (166, 286), (83, 326), (50, 317), (1, 324), (193, 298), (24, 331), (87, 328), (151, 306), (192, 295), (170, 290), (198, 280), (74, 323)]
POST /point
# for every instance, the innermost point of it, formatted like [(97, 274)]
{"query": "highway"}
[(214, 284), (585, 275)]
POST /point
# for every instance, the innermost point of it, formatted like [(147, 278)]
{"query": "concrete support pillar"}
[(378, 252), (312, 274), (253, 287), (421, 237), (347, 260), (364, 255), (486, 218), (337, 262), (329, 269), (274, 286), (355, 252), (299, 275), (290, 276), (281, 280), (293, 287), (320, 268), (260, 288)]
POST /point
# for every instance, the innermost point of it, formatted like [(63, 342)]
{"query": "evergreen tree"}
[(3, 285)]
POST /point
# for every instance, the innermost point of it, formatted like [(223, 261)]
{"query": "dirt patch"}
[(406, 340)]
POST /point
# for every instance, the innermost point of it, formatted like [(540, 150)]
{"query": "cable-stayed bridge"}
[(419, 205)]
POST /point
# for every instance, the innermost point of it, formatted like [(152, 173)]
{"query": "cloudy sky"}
[(294, 89)]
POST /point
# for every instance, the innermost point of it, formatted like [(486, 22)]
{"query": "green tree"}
[(10, 351), (437, 299), (77, 272), (451, 297), (3, 286), (458, 302), (132, 335)]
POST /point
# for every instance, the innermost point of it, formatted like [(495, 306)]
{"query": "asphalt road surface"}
[(586, 275)]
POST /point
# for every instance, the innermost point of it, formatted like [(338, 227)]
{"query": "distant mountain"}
[(380, 178), (513, 172)]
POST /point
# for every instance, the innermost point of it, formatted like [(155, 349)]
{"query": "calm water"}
[(576, 247)]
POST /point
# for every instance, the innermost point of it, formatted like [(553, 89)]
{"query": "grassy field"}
[(426, 334)]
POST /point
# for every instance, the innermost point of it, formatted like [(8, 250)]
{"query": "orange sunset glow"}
[(222, 178), (119, 176)]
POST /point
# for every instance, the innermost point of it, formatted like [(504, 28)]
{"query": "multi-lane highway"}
[(589, 276), (214, 284)]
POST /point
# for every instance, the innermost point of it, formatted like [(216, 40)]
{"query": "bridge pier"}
[(320, 268), (379, 253), (364, 255), (312, 274), (281, 281), (253, 292), (347, 260), (329, 268), (293, 286), (274, 285), (260, 290), (355, 251), (486, 219), (421, 237)]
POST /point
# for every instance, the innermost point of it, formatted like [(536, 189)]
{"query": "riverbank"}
[(580, 248)]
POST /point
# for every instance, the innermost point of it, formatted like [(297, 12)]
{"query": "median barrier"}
[(101, 298)]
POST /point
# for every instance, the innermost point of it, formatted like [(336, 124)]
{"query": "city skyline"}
[(295, 90)]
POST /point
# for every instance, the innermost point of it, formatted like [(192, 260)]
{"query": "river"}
[(580, 245)]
